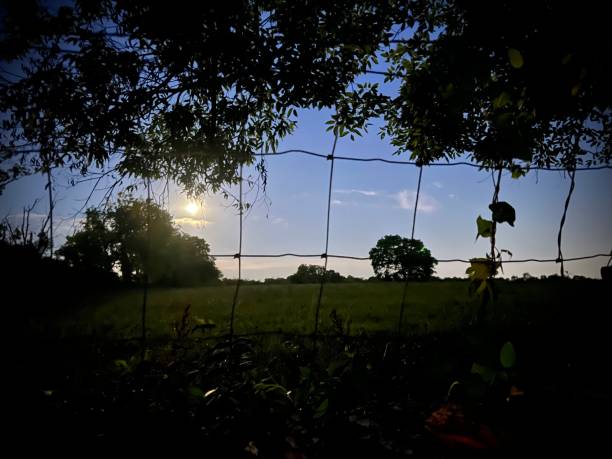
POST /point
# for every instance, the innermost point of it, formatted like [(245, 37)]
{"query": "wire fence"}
[(325, 255)]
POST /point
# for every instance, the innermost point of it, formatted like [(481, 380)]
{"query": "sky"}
[(369, 200)]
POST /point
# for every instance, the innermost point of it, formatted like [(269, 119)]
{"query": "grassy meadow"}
[(371, 307)]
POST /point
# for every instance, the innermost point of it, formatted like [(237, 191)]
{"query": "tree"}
[(398, 258), (186, 91), (505, 82), (91, 247), (119, 239), (136, 246), (310, 274)]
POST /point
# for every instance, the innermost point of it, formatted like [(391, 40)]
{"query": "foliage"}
[(506, 82), (118, 238), (22, 235), (310, 274), (398, 258), (185, 91), (91, 246)]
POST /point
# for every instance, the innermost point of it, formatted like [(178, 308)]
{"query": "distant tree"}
[(187, 262), (135, 245), (91, 247), (399, 258), (276, 280), (119, 239), (22, 235), (310, 274)]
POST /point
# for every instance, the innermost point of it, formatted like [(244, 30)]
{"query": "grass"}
[(372, 307), (99, 389)]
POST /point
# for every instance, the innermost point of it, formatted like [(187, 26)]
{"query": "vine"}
[(482, 271)]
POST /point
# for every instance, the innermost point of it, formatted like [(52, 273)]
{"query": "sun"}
[(192, 208)]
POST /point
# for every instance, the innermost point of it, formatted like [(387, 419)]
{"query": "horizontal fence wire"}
[(450, 260), (414, 163)]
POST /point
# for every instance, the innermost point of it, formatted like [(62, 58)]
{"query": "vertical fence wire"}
[(145, 287), (494, 201), (572, 174), (50, 189), (239, 257), (324, 255), (405, 289)]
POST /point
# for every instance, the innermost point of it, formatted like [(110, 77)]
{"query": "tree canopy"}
[(118, 239), (186, 91), (311, 274), (189, 91), (524, 81), (399, 258)]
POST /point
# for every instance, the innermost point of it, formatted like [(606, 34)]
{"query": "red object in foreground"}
[(449, 424)]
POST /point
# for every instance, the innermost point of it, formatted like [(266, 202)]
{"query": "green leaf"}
[(517, 171), (502, 100), (322, 409), (485, 227), (480, 269), (507, 356), (487, 374), (516, 58), (503, 212), (121, 364), (196, 392)]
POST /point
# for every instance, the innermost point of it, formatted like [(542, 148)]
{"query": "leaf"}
[(480, 269), (485, 227), (517, 171), (322, 409), (487, 374), (453, 387), (516, 58), (502, 100), (507, 356), (121, 364), (503, 212), (196, 392), (209, 392)]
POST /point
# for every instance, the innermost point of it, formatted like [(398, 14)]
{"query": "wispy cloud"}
[(191, 222), (437, 184), (452, 195), (406, 199), (362, 192), (337, 202), (280, 221)]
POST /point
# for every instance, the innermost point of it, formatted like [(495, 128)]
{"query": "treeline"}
[(134, 239), (113, 248)]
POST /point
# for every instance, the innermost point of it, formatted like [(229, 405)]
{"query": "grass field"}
[(376, 392), (373, 307)]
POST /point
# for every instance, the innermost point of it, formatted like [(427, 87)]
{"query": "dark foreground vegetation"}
[(460, 392)]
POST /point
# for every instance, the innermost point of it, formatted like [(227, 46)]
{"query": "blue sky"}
[(369, 201)]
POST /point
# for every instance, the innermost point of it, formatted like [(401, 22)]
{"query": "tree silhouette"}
[(310, 274), (398, 258), (185, 91), (118, 239)]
